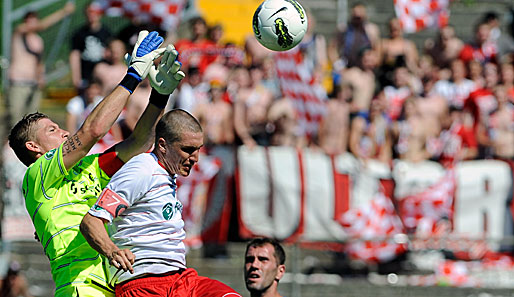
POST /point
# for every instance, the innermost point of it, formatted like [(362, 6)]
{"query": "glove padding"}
[(166, 77), (145, 52)]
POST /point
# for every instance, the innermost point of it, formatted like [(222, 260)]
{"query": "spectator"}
[(113, 68), (507, 79), (27, 70), (134, 109), (500, 126), (194, 51), (334, 127), (251, 108), (456, 90), (314, 50), (481, 48), (362, 80), (359, 33), (192, 91), (264, 267), (396, 94), (445, 48), (370, 134), (456, 141), (87, 47), (217, 117), (80, 106), (398, 51), (282, 123), (503, 42), (410, 133), (14, 284)]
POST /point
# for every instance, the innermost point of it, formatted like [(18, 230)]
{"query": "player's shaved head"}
[(23, 131), (174, 123)]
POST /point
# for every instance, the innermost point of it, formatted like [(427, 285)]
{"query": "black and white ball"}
[(279, 25)]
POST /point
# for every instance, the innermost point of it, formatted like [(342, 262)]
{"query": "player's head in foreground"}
[(34, 135), (264, 266), (178, 139)]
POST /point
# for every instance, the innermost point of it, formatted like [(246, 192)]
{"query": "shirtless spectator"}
[(476, 73), (481, 48), (88, 46), (507, 79), (445, 48), (26, 71), (251, 108), (358, 34), (370, 134), (283, 124), (501, 126), (362, 80), (456, 90), (410, 133), (112, 70), (397, 51), (335, 125), (216, 116)]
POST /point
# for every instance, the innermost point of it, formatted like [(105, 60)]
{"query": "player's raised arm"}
[(164, 80), (98, 123)]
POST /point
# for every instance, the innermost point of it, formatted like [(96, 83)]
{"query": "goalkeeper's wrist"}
[(130, 82), (158, 99)]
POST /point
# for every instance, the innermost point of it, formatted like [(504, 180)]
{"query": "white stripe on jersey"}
[(152, 226)]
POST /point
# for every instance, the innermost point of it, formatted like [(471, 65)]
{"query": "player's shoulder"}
[(145, 162)]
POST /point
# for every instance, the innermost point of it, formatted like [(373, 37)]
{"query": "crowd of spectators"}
[(448, 100)]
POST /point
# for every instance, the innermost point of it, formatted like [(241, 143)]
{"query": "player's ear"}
[(281, 270), (161, 143), (33, 147)]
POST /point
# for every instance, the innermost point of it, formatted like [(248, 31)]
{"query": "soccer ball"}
[(279, 25)]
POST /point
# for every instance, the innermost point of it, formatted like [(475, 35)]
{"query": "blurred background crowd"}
[(373, 92)]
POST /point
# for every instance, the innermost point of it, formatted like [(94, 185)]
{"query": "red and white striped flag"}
[(370, 224), (416, 15), (298, 83), (429, 206), (165, 13)]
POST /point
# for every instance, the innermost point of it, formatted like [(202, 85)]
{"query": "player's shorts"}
[(183, 283), (84, 290)]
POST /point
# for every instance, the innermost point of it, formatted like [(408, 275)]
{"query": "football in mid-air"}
[(279, 25)]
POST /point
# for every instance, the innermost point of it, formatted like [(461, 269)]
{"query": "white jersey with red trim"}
[(145, 216)]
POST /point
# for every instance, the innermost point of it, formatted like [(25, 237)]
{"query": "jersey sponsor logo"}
[(50, 154), (168, 210), (111, 202)]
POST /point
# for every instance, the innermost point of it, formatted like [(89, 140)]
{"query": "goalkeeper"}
[(62, 183)]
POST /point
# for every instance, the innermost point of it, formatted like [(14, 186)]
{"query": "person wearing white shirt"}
[(145, 247)]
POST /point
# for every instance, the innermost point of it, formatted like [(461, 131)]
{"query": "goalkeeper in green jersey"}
[(62, 182)]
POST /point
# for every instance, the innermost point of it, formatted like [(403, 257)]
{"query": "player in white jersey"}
[(146, 229)]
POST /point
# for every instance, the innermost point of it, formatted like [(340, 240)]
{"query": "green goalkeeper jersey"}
[(57, 200)]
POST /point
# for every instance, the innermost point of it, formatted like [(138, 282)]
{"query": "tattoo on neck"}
[(71, 144)]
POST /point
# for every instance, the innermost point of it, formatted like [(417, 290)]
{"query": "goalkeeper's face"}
[(48, 135)]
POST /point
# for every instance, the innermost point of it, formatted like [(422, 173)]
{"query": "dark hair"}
[(279, 253), (30, 14), (22, 132), (175, 122)]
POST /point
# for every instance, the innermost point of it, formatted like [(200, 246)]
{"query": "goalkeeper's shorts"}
[(85, 290)]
